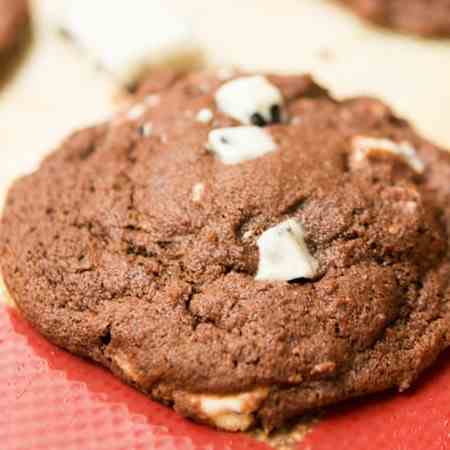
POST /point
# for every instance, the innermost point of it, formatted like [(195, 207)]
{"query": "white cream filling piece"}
[(284, 255), (364, 146), (128, 37), (125, 365), (230, 412), (243, 97), (197, 192), (238, 144), (205, 115)]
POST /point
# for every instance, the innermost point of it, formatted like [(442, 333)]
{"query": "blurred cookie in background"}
[(15, 34), (430, 18), (14, 16)]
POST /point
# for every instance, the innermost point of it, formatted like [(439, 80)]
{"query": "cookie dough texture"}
[(113, 252), (13, 18), (423, 17)]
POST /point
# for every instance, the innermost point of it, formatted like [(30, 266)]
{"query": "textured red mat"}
[(51, 400)]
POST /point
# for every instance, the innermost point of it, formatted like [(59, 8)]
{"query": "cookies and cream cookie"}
[(245, 250)]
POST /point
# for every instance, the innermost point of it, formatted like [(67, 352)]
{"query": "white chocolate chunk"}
[(5, 296), (283, 254), (197, 192), (129, 37), (205, 115), (364, 146), (245, 97), (136, 111), (230, 412), (212, 406), (238, 144), (147, 129), (234, 422), (152, 100), (125, 365)]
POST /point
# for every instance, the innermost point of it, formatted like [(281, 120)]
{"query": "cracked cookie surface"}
[(137, 246), (423, 17)]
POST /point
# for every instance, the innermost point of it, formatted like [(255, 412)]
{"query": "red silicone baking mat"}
[(51, 400)]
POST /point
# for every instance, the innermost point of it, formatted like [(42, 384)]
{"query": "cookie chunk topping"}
[(129, 38), (251, 100), (366, 147), (228, 412), (284, 255), (238, 144)]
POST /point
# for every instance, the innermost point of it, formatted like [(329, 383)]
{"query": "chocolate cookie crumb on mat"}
[(242, 248), (422, 17), (14, 15)]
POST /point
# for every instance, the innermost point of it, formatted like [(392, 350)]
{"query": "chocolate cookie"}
[(13, 18), (244, 250), (423, 17)]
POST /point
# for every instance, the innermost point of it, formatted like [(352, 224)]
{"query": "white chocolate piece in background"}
[(245, 97), (128, 37), (230, 412), (284, 255), (238, 144), (363, 146)]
